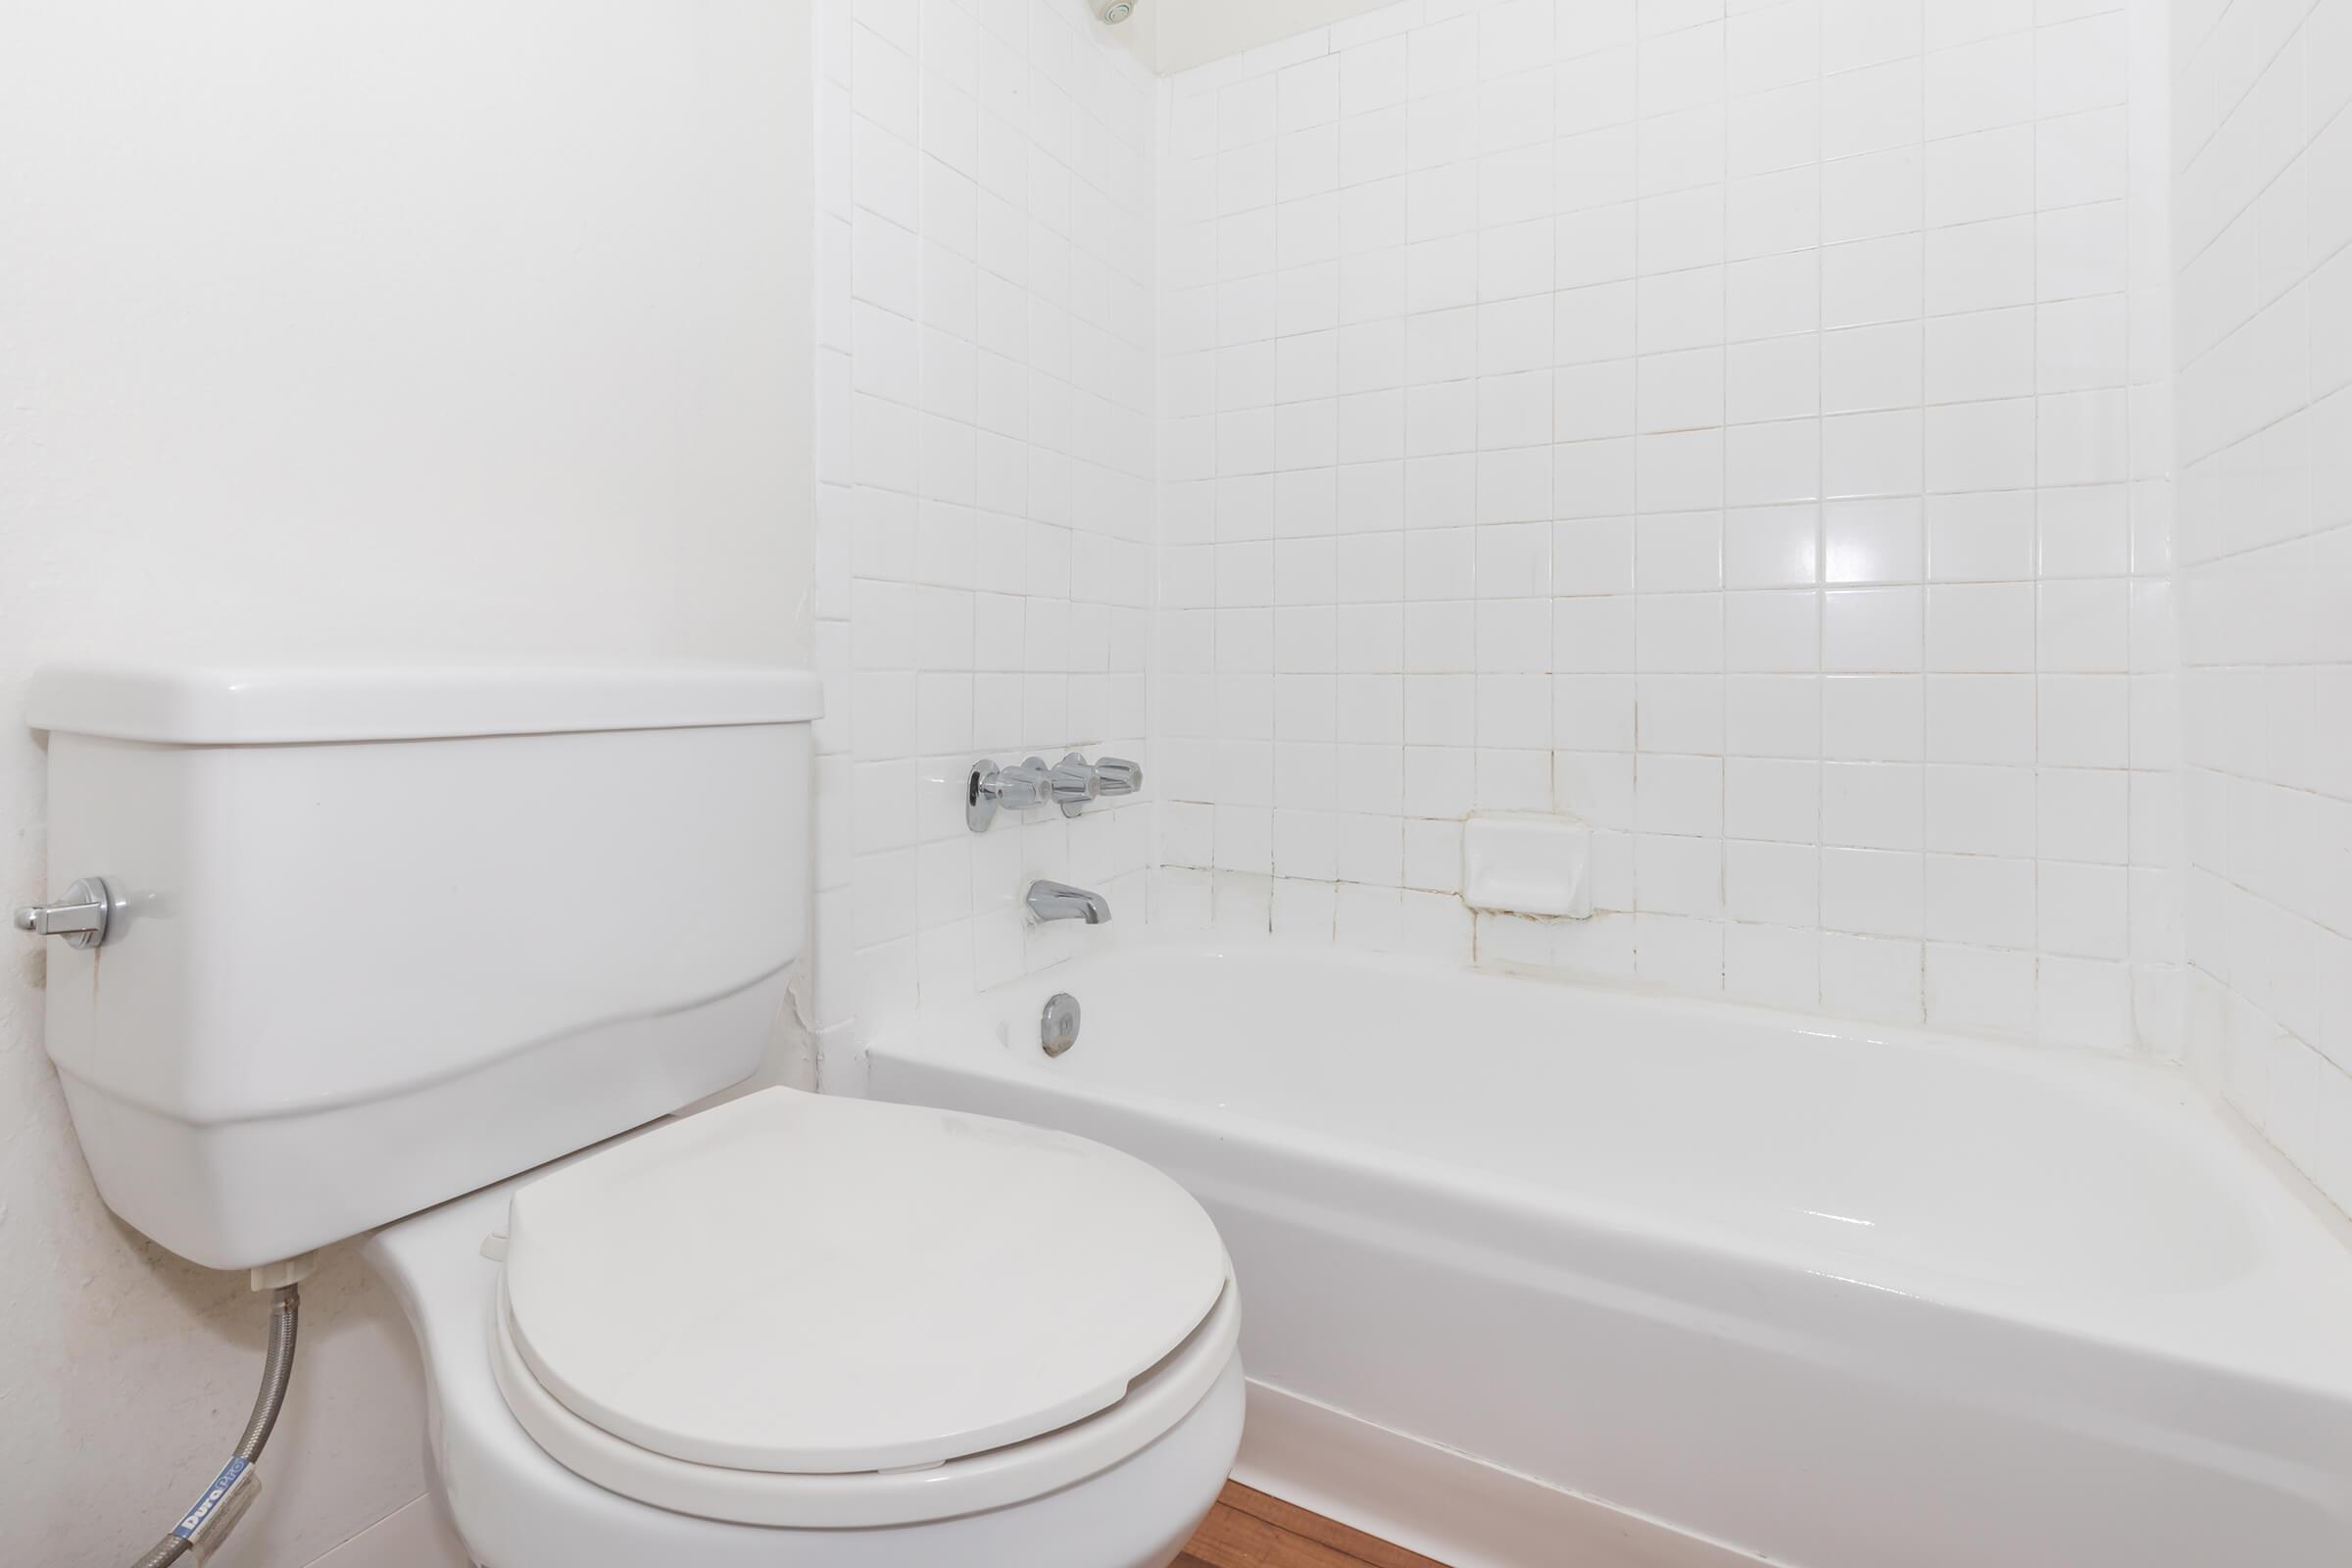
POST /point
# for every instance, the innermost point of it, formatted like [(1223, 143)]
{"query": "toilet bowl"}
[(988, 1344)]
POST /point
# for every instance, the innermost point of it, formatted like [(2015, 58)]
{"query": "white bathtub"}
[(1535, 1274)]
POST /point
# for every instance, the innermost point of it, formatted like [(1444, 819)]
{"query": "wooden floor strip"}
[(1251, 1530)]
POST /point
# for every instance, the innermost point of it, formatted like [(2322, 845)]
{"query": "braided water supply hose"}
[(277, 1371)]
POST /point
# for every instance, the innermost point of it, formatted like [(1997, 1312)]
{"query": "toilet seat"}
[(1155, 1404), (814, 1310)]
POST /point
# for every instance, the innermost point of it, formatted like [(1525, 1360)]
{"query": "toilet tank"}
[(383, 935)]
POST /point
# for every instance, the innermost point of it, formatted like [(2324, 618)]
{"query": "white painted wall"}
[(433, 326)]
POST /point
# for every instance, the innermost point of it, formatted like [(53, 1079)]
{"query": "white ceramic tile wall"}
[(1743, 424), (2263, 236), (986, 497)]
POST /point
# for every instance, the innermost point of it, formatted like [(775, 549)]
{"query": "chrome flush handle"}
[(84, 916)]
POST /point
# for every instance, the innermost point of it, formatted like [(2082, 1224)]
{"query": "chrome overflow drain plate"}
[(1058, 1030)]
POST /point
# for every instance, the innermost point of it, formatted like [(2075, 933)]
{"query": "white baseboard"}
[(413, 1536), (1442, 1503)]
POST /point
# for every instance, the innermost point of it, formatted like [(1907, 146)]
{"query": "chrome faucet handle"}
[(1071, 783), (1115, 775), (988, 787), (1029, 785), (83, 917)]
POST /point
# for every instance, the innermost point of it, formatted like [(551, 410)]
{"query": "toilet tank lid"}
[(285, 703)]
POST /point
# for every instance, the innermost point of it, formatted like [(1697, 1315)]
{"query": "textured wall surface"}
[(1741, 425), (423, 329), (2262, 144), (986, 505)]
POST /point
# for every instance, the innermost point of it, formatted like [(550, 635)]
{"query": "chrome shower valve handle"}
[(1025, 785), (1069, 784), (990, 787)]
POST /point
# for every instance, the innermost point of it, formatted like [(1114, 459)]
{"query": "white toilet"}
[(380, 940)]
